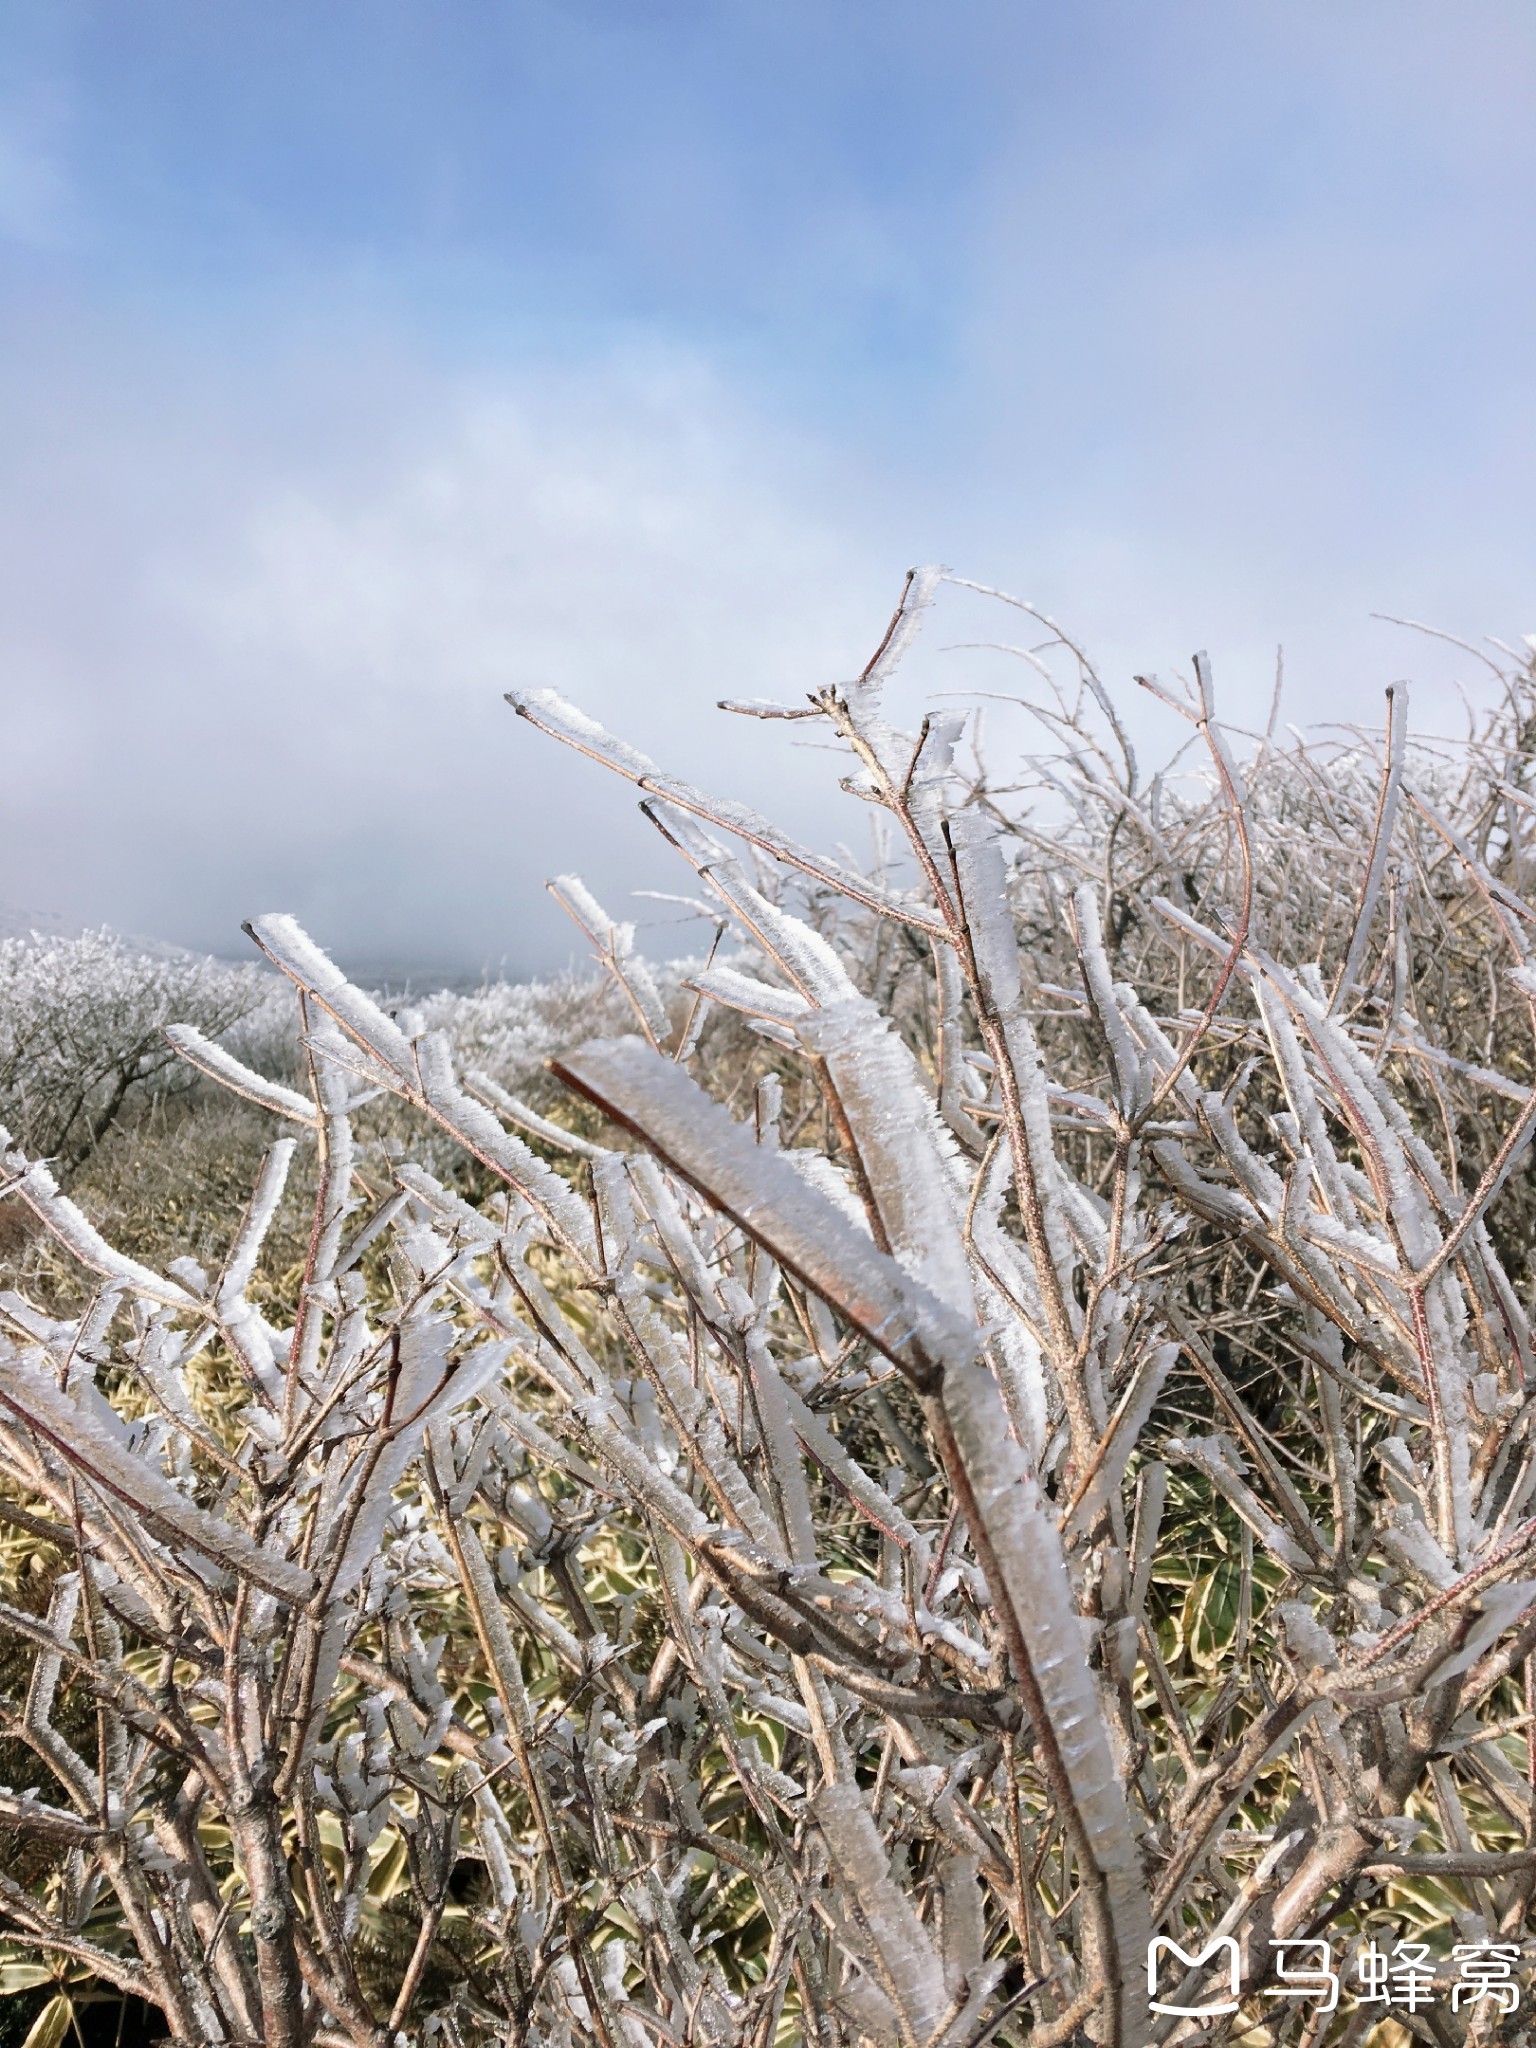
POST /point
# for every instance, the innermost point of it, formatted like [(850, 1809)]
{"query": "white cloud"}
[(275, 674)]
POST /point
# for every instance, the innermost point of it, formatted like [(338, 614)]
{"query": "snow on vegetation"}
[(987, 1421)]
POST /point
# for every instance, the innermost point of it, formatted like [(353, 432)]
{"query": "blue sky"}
[(364, 359)]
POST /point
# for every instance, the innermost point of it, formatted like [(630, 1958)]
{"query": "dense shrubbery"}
[(162, 1158), (82, 1034), (994, 1422)]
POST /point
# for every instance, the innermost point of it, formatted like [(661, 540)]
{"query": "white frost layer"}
[(907, 1152), (908, 1963), (554, 715), (1023, 1537), (40, 1191), (758, 1189), (426, 1393), (76, 1429), (222, 1066)]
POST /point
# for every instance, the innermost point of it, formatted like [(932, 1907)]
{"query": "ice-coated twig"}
[(552, 714), (902, 1950), (223, 1067), (36, 1186), (78, 1429), (1027, 1576), (1381, 839), (764, 1195)]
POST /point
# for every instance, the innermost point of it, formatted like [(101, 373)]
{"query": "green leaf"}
[(52, 2023), (24, 1977)]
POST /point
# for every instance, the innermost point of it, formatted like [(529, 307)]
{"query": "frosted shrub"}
[(82, 1031), (1005, 1432), (161, 1157)]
